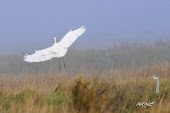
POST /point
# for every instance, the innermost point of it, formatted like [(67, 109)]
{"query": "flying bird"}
[(157, 83), (57, 49)]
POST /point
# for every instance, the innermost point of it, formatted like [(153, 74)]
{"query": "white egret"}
[(58, 49), (157, 83)]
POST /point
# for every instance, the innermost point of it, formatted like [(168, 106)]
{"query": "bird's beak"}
[(150, 77)]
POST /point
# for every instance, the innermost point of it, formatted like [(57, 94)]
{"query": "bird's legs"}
[(59, 65), (64, 63)]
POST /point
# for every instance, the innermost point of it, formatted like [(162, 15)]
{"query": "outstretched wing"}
[(55, 50), (71, 36), (41, 55)]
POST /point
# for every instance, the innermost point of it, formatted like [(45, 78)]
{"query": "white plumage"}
[(58, 49), (157, 83)]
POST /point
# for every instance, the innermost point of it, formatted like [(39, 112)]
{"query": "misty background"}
[(31, 25), (120, 34)]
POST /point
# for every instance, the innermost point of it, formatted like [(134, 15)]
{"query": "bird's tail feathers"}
[(25, 56)]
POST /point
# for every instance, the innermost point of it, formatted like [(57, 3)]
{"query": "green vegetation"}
[(90, 96), (116, 91), (95, 81)]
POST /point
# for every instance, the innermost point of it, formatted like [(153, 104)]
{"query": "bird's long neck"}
[(157, 85), (55, 40)]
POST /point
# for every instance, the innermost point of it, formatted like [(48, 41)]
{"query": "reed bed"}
[(114, 90)]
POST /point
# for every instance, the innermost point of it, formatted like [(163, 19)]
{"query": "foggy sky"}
[(32, 24)]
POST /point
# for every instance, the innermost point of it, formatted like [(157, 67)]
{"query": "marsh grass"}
[(115, 91)]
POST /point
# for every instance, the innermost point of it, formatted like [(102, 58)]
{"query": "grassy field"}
[(114, 90)]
